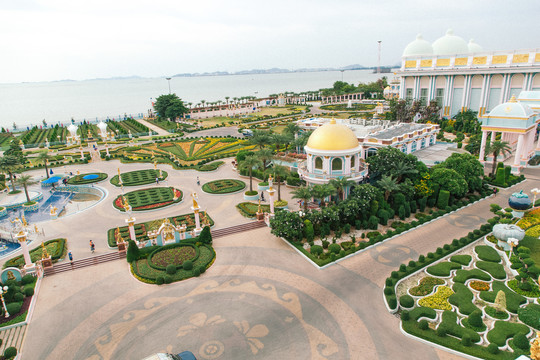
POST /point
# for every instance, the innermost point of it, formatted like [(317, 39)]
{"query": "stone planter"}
[(263, 187), (251, 197), (33, 207)]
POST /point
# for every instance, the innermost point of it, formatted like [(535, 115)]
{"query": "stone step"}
[(77, 264), (12, 337)]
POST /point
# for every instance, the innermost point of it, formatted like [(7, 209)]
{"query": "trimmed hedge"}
[(463, 299), (464, 275), (503, 330), (443, 268), (487, 253), (56, 249), (495, 270), (530, 315), (223, 186), (513, 300), (139, 177)]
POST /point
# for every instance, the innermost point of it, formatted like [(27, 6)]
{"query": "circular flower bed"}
[(88, 178), (172, 256), (223, 186), (149, 199)]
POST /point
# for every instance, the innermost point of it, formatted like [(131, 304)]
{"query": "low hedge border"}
[(78, 179), (152, 179), (321, 264), (164, 204), (238, 186)]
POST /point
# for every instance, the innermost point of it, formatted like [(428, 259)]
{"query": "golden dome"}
[(332, 136)]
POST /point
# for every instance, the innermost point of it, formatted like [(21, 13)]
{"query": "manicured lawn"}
[(443, 268), (224, 186), (139, 177), (533, 244), (426, 286), (513, 300), (487, 253), (249, 209), (462, 298), (56, 248), (149, 199)]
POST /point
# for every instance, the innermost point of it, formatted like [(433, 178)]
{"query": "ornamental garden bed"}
[(224, 186), (88, 178), (211, 166), (56, 248), (17, 299), (249, 209), (149, 199), (170, 263), (460, 300), (139, 177), (141, 229)]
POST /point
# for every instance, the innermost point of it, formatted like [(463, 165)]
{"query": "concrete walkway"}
[(260, 299), (160, 131)]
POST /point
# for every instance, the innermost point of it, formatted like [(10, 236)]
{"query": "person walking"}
[(262, 196), (495, 190), (70, 257), (92, 246), (157, 180), (198, 181)]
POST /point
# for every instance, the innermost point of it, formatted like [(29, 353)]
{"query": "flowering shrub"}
[(533, 231), (439, 300), (426, 286), (479, 285), (531, 218)]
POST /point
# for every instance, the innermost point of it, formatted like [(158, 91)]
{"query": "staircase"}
[(237, 228), (77, 264)]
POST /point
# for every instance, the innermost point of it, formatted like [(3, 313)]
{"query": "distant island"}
[(384, 69)]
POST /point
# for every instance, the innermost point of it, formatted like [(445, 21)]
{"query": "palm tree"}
[(280, 139), (340, 184), (497, 148), (303, 193), (280, 172), (249, 163), (323, 191), (25, 181), (265, 155), (9, 164), (260, 138), (401, 168), (388, 185), (44, 158), (291, 128)]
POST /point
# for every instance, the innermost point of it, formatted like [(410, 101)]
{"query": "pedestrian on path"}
[(157, 180), (70, 257), (262, 196), (92, 246), (198, 181), (495, 191)]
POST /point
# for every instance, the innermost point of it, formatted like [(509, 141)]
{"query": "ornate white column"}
[(131, 226), (21, 237), (493, 136), (483, 146), (519, 149), (196, 208), (271, 191)]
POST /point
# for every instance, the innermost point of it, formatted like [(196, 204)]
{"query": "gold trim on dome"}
[(333, 136), (499, 59), (520, 58), (479, 60), (425, 63), (410, 63), (443, 62), (461, 61)]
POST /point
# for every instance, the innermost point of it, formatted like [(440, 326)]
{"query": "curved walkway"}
[(260, 300)]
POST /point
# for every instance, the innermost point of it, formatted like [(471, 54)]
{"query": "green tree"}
[(9, 164), (340, 184), (291, 128), (25, 181), (467, 166), (323, 191), (264, 155), (450, 180), (205, 236), (388, 185), (170, 106), (261, 138), (403, 168), (500, 301), (303, 193), (249, 163), (385, 160), (132, 251), (16, 151), (280, 139), (497, 148), (288, 225), (44, 158), (280, 172)]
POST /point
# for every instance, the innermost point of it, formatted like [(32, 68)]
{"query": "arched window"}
[(337, 164), (423, 145), (404, 148), (413, 147), (318, 163), (371, 152), (353, 161)]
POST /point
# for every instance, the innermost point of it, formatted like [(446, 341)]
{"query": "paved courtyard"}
[(260, 299)]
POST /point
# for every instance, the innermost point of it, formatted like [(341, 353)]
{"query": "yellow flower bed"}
[(533, 231), (439, 300), (531, 218)]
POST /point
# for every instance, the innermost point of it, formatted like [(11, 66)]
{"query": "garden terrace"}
[(17, 300), (142, 229), (249, 209), (87, 178), (56, 248), (149, 199), (139, 177), (125, 126), (37, 137), (223, 186)]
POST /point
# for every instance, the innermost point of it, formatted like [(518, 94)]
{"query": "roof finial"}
[(333, 121), (513, 99)]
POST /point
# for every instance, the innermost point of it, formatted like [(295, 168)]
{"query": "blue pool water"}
[(58, 199), (90, 177), (7, 247)]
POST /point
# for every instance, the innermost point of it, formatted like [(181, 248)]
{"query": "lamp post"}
[(4, 290), (169, 81)]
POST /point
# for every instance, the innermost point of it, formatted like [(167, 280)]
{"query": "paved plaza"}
[(259, 300)]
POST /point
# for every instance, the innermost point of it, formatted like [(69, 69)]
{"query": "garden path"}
[(160, 131)]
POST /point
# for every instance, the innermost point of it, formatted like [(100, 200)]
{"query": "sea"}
[(28, 104)]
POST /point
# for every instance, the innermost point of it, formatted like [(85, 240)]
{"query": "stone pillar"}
[(271, 191), (131, 226), (197, 219), (493, 135), (519, 150), (483, 146), (21, 237)]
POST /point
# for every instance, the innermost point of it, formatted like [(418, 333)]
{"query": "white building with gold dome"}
[(333, 152), (460, 75)]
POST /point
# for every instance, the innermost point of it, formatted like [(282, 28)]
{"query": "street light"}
[(535, 191), (4, 290), (169, 81)]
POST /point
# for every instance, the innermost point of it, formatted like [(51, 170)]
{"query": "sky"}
[(47, 40)]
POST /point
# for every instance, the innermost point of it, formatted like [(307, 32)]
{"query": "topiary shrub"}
[(196, 272), (441, 331), (170, 269), (442, 201), (334, 248), (466, 340), (423, 324), (202, 269), (405, 315), (205, 236), (388, 290), (160, 280), (167, 279), (18, 297), (187, 265), (28, 291), (27, 279), (521, 342), (10, 352), (316, 250), (406, 301), (492, 348), (14, 308), (475, 319), (392, 302), (132, 251)]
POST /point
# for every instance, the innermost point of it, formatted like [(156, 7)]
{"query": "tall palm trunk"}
[(250, 182), (26, 193), (12, 181), (494, 165), (46, 169), (278, 188)]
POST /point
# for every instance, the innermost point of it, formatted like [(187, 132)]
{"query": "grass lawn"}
[(151, 198), (533, 244)]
